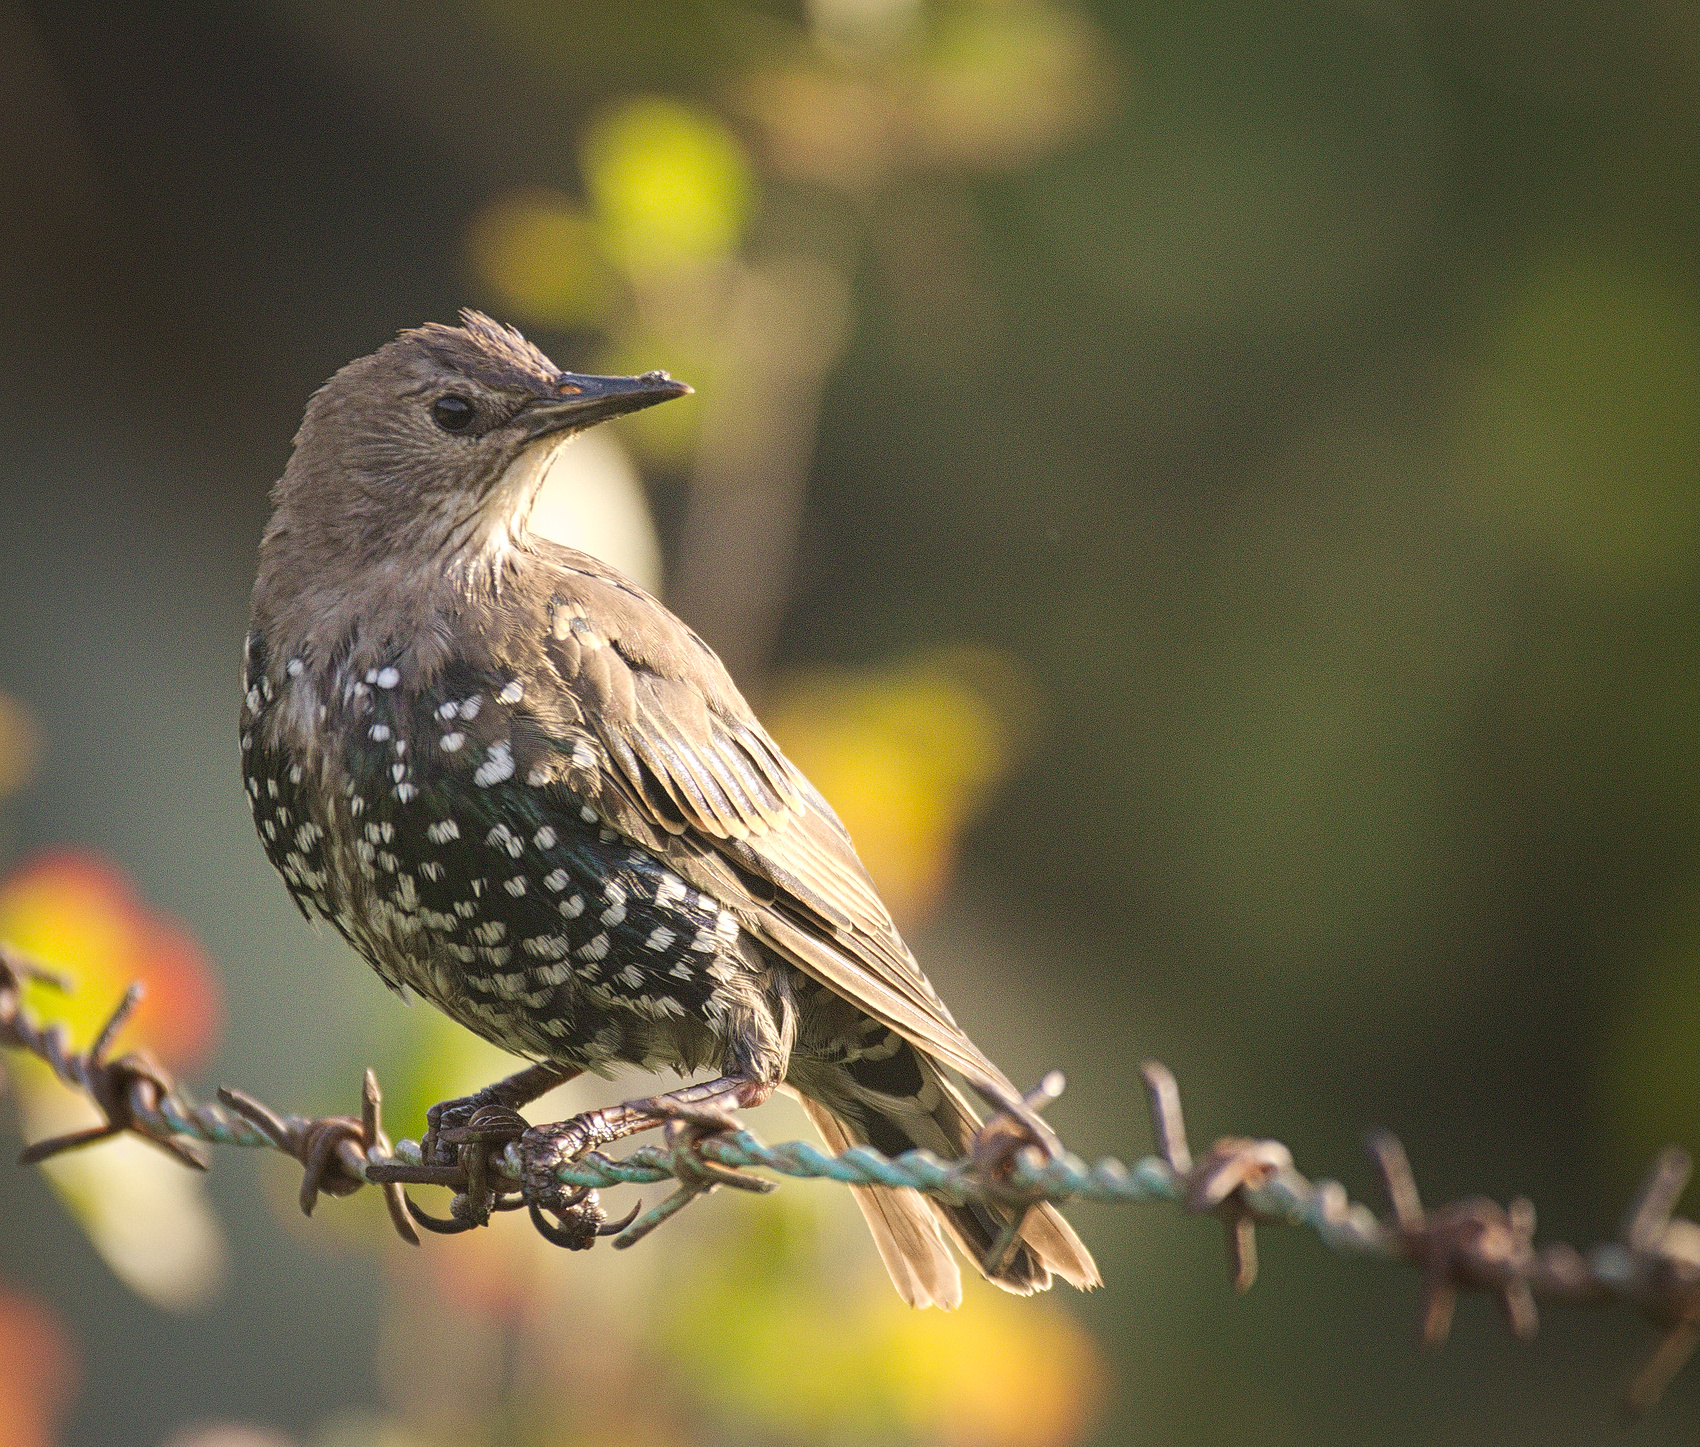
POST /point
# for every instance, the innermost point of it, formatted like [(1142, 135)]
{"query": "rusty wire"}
[(1475, 1245)]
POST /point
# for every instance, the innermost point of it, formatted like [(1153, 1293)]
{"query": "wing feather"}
[(694, 771)]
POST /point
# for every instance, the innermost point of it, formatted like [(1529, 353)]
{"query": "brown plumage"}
[(523, 788)]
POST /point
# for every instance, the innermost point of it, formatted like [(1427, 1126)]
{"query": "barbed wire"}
[(1474, 1245)]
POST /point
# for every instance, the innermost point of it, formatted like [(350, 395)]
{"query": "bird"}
[(522, 789)]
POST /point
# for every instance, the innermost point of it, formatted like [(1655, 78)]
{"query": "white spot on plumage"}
[(404, 792), (588, 814), (548, 947), (682, 970), (448, 710), (594, 950), (544, 838), (538, 776), (443, 831), (491, 932), (502, 837), (614, 914), (515, 886), (659, 937), (451, 743), (512, 693), (498, 765), (671, 890), (469, 706), (572, 908), (631, 977), (378, 733), (295, 773), (293, 667), (584, 756), (387, 678)]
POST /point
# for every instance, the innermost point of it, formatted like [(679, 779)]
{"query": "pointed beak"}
[(582, 401)]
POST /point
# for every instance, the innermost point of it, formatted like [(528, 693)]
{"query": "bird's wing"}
[(676, 759)]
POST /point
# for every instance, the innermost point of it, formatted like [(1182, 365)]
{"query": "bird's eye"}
[(452, 413)]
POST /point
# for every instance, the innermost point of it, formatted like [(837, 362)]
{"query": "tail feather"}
[(903, 1227), (1047, 1242), (906, 1226)]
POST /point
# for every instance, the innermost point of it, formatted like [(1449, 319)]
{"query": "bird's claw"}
[(1016, 1126), (688, 1126)]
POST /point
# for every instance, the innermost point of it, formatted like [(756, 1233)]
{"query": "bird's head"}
[(431, 450)]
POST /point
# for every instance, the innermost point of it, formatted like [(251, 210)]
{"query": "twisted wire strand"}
[(1474, 1245)]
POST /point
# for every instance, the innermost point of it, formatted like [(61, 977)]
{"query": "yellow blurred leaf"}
[(906, 756), (801, 1355), (540, 257), (670, 184)]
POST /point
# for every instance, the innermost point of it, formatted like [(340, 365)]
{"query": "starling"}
[(521, 788)]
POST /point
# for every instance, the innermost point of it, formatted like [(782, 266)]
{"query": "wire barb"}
[(1015, 1163)]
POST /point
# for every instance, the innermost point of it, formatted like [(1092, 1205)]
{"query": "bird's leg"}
[(1015, 1125), (690, 1113), (510, 1094), (707, 1103), (461, 1137)]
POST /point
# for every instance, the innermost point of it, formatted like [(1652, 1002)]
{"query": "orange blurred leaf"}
[(38, 1372), (80, 915)]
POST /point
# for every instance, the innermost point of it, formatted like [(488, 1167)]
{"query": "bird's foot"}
[(448, 1120), (1013, 1129), (462, 1138), (688, 1117), (1016, 1126)]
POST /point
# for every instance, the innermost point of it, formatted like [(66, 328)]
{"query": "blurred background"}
[(1209, 492)]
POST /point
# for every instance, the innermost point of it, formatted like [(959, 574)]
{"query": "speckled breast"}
[(433, 830)]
